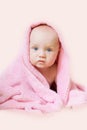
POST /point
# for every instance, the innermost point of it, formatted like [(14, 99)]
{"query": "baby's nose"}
[(42, 54)]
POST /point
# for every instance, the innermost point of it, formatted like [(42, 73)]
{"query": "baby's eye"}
[(35, 48), (49, 49)]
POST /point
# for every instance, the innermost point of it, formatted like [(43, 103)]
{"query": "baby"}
[(39, 79), (44, 49)]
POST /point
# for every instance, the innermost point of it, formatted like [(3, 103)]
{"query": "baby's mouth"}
[(41, 61)]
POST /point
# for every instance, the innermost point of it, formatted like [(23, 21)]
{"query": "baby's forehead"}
[(44, 28), (45, 31)]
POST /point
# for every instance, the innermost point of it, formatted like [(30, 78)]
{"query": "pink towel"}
[(24, 87)]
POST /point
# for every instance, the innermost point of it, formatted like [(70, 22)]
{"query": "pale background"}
[(71, 18)]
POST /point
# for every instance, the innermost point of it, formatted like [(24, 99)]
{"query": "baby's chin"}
[(43, 66), (40, 65)]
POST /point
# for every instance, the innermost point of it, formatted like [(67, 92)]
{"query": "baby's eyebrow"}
[(50, 46)]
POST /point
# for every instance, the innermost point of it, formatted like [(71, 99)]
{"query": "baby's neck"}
[(49, 73)]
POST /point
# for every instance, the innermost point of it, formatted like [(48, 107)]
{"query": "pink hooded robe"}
[(24, 87)]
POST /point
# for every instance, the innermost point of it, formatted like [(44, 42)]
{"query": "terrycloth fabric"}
[(24, 87)]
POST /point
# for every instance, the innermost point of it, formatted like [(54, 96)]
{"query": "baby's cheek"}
[(53, 56), (51, 60), (32, 59)]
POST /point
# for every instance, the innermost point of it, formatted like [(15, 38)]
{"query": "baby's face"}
[(44, 47)]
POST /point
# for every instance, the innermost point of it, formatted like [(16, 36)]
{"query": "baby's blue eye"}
[(35, 48), (49, 49)]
